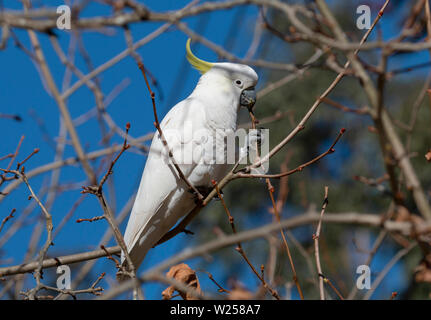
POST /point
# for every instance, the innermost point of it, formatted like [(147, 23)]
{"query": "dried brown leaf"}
[(182, 273)]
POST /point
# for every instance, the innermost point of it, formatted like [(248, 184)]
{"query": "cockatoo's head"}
[(235, 77)]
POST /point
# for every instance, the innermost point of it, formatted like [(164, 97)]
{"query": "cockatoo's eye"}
[(238, 83)]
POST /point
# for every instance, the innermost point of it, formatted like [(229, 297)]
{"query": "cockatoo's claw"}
[(203, 191)]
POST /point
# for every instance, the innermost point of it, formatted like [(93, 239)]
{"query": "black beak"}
[(248, 98)]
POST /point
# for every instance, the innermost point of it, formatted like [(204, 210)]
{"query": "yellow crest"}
[(200, 65)]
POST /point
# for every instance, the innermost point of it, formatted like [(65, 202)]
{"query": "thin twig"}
[(316, 246), (239, 246), (10, 216), (289, 255)]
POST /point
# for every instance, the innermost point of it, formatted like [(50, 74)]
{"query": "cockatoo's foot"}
[(204, 191)]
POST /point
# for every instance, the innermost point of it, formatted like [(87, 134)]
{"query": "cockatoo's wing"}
[(163, 197)]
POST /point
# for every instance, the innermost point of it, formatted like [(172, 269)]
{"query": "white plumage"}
[(193, 128)]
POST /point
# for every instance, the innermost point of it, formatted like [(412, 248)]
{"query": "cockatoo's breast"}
[(220, 102)]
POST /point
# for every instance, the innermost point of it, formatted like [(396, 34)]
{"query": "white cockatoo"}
[(193, 129)]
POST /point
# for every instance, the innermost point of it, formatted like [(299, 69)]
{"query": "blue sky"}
[(22, 93)]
